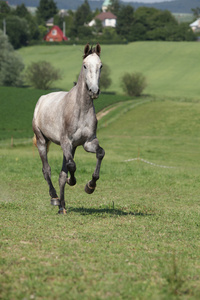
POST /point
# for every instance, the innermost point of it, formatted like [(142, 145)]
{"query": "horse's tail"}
[(35, 142)]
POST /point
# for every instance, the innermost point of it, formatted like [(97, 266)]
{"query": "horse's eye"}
[(101, 66), (84, 66)]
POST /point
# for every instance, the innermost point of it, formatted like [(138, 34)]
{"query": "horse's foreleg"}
[(71, 167), (94, 147), (62, 182), (68, 166)]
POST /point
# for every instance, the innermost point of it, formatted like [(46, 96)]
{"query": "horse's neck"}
[(82, 96)]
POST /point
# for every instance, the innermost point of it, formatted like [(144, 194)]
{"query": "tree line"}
[(143, 23)]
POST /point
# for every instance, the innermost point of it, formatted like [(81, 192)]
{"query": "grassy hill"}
[(171, 69), (136, 237)]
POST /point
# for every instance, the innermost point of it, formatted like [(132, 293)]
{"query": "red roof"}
[(55, 34), (105, 15)]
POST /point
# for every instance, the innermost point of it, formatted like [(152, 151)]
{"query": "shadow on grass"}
[(107, 211)]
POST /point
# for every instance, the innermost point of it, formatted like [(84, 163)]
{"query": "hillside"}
[(176, 6), (171, 68)]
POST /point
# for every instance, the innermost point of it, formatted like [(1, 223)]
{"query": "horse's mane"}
[(90, 49)]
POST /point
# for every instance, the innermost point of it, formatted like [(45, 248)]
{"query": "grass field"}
[(171, 69), (136, 237)]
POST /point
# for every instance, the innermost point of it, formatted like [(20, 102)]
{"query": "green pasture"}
[(136, 237), (171, 69)]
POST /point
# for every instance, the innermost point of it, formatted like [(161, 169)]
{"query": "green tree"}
[(46, 9), (114, 7), (125, 20), (42, 74), (83, 14), (11, 64), (81, 17), (4, 8), (105, 80), (42, 31), (196, 12), (22, 12), (17, 30), (153, 24)]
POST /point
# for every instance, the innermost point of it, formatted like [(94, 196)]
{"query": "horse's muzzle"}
[(94, 95)]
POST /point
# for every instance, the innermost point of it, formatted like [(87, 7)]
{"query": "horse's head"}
[(92, 68)]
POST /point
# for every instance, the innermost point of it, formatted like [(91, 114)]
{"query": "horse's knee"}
[(71, 166), (100, 153)]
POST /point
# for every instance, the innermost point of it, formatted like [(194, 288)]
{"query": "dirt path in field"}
[(106, 111)]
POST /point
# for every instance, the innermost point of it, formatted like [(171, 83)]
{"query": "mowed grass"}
[(171, 68), (136, 237)]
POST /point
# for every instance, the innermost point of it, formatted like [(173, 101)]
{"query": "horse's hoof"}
[(89, 189), (71, 182), (55, 201), (62, 211)]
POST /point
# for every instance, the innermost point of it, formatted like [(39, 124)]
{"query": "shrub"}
[(42, 74), (133, 84), (105, 80)]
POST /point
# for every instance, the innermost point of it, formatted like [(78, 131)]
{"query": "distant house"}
[(195, 25), (107, 19), (55, 34)]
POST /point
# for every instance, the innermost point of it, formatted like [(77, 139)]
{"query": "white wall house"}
[(107, 19), (195, 25)]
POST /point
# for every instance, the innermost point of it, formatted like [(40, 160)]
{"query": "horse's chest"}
[(85, 130)]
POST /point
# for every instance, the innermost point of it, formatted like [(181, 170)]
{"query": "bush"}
[(42, 74), (105, 80), (133, 84)]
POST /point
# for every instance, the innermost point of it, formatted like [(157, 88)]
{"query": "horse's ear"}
[(98, 49), (86, 50)]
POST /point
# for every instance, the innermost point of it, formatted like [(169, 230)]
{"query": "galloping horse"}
[(68, 119)]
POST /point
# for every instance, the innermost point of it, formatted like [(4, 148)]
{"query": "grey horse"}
[(68, 119)]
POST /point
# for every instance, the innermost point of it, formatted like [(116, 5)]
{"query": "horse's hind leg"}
[(94, 147), (42, 145)]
